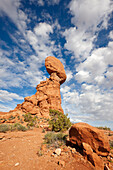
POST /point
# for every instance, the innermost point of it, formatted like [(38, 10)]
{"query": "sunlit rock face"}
[(84, 133), (48, 92)]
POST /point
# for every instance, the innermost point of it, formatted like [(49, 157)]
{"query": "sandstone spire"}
[(48, 92)]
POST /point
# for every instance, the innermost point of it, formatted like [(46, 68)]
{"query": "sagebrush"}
[(55, 139), (16, 126), (59, 121)]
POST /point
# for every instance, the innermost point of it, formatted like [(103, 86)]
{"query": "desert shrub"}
[(55, 139), (40, 152), (111, 144), (104, 128), (59, 121), (11, 117), (17, 126), (27, 117), (43, 130), (18, 117), (50, 137), (13, 127), (31, 120), (110, 134), (21, 121), (4, 128)]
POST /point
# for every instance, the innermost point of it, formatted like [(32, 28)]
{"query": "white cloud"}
[(111, 34), (69, 75), (43, 2), (53, 2), (40, 2), (65, 89), (86, 16), (90, 104), (96, 67), (78, 42), (4, 108), (43, 29), (11, 9), (41, 42), (6, 96), (82, 76)]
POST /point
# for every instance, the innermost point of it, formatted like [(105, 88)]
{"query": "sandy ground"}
[(18, 150)]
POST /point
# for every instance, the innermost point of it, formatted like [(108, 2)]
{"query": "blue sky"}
[(79, 33)]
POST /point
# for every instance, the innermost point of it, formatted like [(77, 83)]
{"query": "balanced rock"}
[(53, 65), (83, 132), (48, 92)]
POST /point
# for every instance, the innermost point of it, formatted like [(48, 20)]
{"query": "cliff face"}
[(48, 92)]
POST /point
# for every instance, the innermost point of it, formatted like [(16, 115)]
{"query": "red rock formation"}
[(92, 157), (82, 132), (48, 92), (53, 65)]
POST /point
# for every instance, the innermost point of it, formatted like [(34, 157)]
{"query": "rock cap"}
[(54, 65)]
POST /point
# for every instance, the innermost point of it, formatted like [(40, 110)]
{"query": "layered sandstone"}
[(85, 133), (48, 92), (92, 143)]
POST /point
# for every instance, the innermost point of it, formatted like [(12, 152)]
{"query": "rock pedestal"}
[(48, 92)]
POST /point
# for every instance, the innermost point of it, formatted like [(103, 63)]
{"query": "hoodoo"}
[(48, 92)]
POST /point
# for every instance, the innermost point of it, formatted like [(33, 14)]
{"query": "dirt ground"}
[(18, 150)]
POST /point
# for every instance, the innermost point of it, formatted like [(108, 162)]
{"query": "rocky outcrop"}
[(48, 92), (82, 132), (92, 142), (92, 157)]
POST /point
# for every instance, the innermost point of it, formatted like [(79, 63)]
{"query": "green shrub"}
[(111, 144), (18, 117), (110, 134), (4, 128), (51, 137), (13, 127), (27, 117), (104, 128), (59, 121), (32, 121), (43, 130), (40, 152), (56, 139), (11, 117), (19, 127)]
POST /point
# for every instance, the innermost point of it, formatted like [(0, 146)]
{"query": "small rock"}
[(73, 150), (17, 164), (111, 155), (58, 151), (69, 148), (108, 157), (106, 167), (62, 163)]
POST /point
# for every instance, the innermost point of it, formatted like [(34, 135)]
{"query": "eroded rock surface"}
[(83, 132), (92, 157), (48, 92), (53, 65), (92, 143)]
